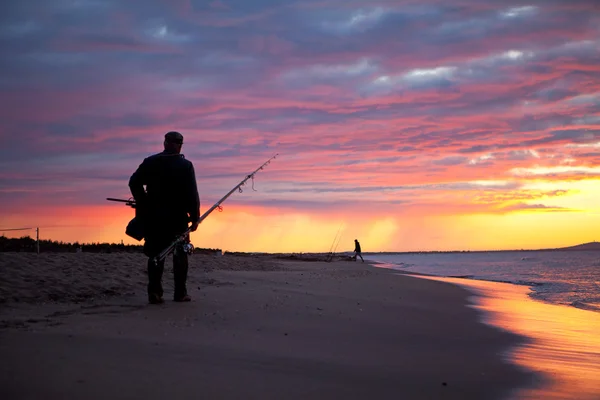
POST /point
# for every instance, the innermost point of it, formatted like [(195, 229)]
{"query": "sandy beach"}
[(78, 326)]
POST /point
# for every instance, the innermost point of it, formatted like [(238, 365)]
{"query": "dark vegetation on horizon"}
[(28, 244)]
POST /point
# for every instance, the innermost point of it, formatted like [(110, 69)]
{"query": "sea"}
[(569, 278)]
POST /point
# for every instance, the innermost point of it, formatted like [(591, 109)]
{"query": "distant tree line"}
[(28, 244)]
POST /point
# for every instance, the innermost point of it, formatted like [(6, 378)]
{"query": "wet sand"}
[(257, 328), (563, 345)]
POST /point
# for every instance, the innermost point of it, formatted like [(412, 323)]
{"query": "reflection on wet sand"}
[(565, 341)]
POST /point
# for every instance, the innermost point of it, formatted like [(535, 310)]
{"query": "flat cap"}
[(174, 137)]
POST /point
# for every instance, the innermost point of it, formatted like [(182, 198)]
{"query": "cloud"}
[(519, 12), (451, 160), (483, 159), (329, 73), (366, 101), (534, 207), (557, 170), (357, 20), (501, 195), (166, 33), (524, 154)]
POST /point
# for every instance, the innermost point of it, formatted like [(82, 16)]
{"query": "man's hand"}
[(194, 226)]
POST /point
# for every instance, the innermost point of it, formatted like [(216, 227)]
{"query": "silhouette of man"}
[(168, 204), (357, 251)]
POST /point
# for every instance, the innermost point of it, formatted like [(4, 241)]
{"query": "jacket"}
[(171, 198)]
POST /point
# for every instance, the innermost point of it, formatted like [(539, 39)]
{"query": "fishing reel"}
[(185, 248), (188, 248)]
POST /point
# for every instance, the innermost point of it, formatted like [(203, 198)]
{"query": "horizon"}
[(479, 128), (322, 252)]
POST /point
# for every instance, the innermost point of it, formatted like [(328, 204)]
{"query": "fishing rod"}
[(130, 202), (330, 254), (184, 237), (333, 249), (336, 246), (335, 238)]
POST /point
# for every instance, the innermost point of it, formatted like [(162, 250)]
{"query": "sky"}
[(408, 125)]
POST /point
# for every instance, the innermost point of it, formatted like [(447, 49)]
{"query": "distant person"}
[(357, 251), (168, 204)]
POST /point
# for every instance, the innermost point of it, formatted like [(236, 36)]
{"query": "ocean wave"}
[(384, 264), (510, 281), (585, 305), (571, 279)]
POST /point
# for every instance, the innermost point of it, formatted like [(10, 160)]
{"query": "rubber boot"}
[(155, 289), (180, 271)]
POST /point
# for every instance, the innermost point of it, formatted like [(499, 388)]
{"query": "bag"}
[(135, 229)]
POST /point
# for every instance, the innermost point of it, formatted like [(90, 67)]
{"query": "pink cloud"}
[(359, 117), (266, 44)]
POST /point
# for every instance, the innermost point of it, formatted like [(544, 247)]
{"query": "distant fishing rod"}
[(336, 246), (337, 239), (334, 239)]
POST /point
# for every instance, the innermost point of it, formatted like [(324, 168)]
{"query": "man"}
[(357, 251), (168, 204)]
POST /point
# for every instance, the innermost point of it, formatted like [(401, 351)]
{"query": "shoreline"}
[(563, 343), (531, 285), (277, 329)]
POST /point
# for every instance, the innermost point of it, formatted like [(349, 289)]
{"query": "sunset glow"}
[(409, 125)]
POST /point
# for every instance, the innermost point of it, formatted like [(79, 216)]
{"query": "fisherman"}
[(357, 251), (169, 202)]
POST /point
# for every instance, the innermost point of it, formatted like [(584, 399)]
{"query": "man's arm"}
[(137, 182), (193, 197)]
